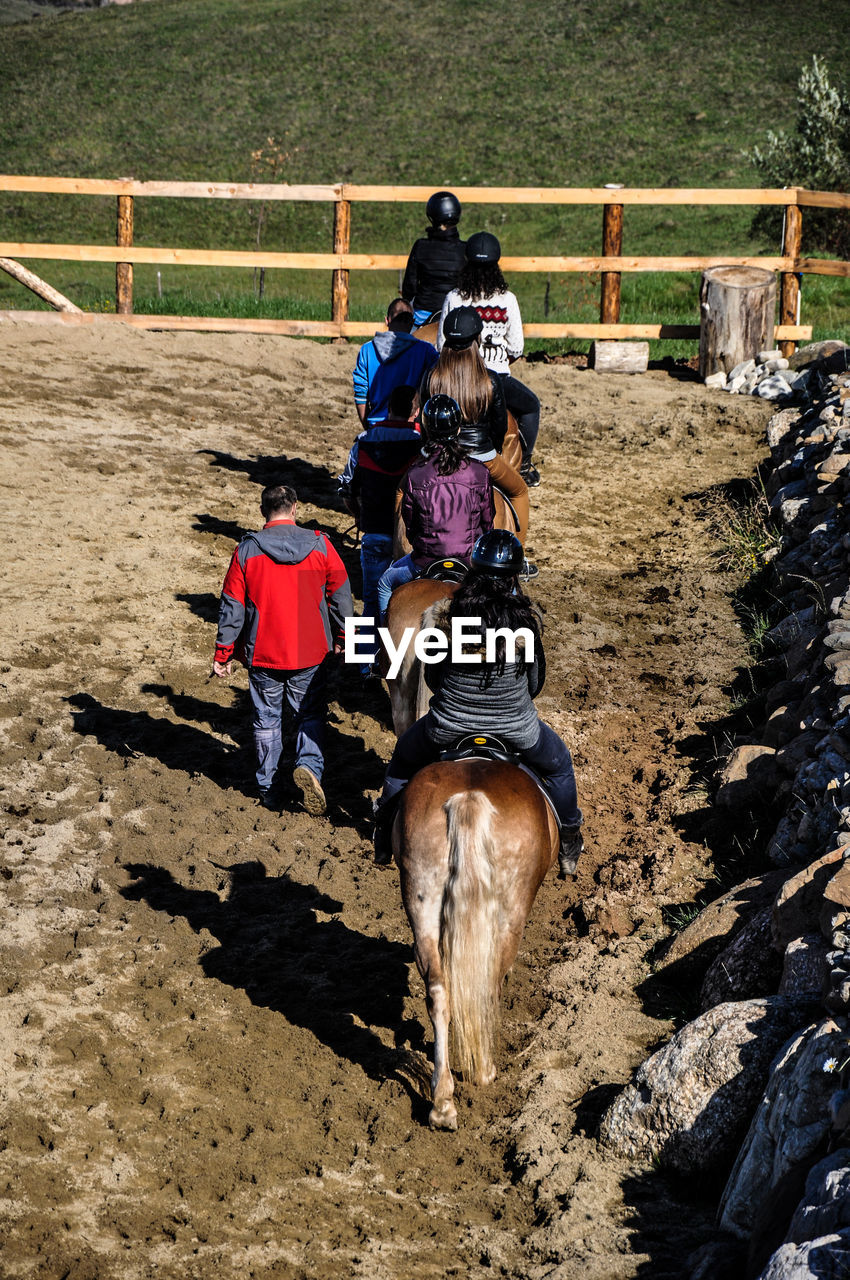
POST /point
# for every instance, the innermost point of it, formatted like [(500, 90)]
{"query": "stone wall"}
[(758, 1086)]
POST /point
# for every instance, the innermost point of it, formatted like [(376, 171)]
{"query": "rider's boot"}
[(572, 847), (385, 811)]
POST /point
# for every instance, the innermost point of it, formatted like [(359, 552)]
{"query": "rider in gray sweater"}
[(489, 693)]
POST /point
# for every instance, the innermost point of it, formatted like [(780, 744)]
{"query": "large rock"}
[(749, 777), (782, 725), (836, 894), (790, 1123), (805, 971), (819, 353), (825, 1259), (799, 751), (705, 937), (797, 908), (690, 1103), (748, 967), (825, 1206)]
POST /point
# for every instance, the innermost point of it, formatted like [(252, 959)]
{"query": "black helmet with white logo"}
[(483, 247), (441, 418), (443, 209), (498, 552), (461, 327)]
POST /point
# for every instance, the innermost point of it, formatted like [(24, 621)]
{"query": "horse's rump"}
[(474, 839)]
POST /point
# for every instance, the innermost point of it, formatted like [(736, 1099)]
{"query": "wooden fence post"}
[(612, 247), (789, 283), (124, 270), (342, 244)]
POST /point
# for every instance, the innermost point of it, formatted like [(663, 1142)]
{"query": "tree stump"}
[(737, 309)]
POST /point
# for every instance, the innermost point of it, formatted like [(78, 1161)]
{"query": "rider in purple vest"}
[(447, 499)]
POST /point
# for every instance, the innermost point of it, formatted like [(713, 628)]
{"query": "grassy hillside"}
[(644, 92)]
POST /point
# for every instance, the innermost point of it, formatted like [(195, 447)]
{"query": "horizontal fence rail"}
[(366, 329), (611, 264)]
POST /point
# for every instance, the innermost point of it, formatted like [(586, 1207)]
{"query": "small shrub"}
[(816, 155)]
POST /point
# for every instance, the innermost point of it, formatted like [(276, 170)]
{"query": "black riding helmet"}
[(461, 327), (441, 418), (498, 553), (483, 248), (443, 209)]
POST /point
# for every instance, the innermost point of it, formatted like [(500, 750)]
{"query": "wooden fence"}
[(611, 263)]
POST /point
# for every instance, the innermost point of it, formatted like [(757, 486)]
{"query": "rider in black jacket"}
[(435, 261)]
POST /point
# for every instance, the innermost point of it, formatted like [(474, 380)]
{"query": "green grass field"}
[(644, 92)]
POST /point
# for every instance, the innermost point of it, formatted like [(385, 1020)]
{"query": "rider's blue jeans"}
[(305, 693), (402, 570), (376, 556), (549, 757), (421, 317)]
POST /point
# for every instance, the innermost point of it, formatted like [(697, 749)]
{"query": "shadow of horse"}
[(313, 484), (319, 974)]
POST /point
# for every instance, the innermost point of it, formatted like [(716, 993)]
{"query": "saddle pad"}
[(480, 747)]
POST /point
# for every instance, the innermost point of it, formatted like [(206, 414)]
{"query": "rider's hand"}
[(221, 669)]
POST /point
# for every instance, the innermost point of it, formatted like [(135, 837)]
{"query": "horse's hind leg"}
[(443, 1111)]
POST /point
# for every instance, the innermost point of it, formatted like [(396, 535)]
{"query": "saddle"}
[(484, 746), (450, 569)]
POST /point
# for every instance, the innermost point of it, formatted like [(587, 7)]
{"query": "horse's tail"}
[(469, 932)]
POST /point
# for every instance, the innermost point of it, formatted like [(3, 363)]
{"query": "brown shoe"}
[(312, 795)]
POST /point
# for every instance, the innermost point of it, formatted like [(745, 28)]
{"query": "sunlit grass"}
[(564, 97)]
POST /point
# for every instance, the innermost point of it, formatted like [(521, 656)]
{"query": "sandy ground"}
[(214, 1041)]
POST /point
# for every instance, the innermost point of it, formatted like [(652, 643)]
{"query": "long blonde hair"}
[(463, 375)]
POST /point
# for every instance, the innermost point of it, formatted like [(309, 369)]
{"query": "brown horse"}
[(409, 696), (473, 840), (428, 332)]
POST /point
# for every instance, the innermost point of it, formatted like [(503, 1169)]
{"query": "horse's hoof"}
[(443, 1117)]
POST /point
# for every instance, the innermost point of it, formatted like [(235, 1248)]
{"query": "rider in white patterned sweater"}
[(483, 287)]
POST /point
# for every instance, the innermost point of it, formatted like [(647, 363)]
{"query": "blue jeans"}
[(402, 570), (376, 556), (549, 757), (305, 693), (421, 316)]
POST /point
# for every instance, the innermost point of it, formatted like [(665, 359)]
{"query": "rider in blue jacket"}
[(392, 359)]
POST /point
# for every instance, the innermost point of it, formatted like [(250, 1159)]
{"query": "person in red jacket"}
[(283, 607)]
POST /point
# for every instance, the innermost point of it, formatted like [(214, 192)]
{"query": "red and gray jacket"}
[(284, 601)]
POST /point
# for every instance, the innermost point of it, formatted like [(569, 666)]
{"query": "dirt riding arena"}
[(214, 1038)]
